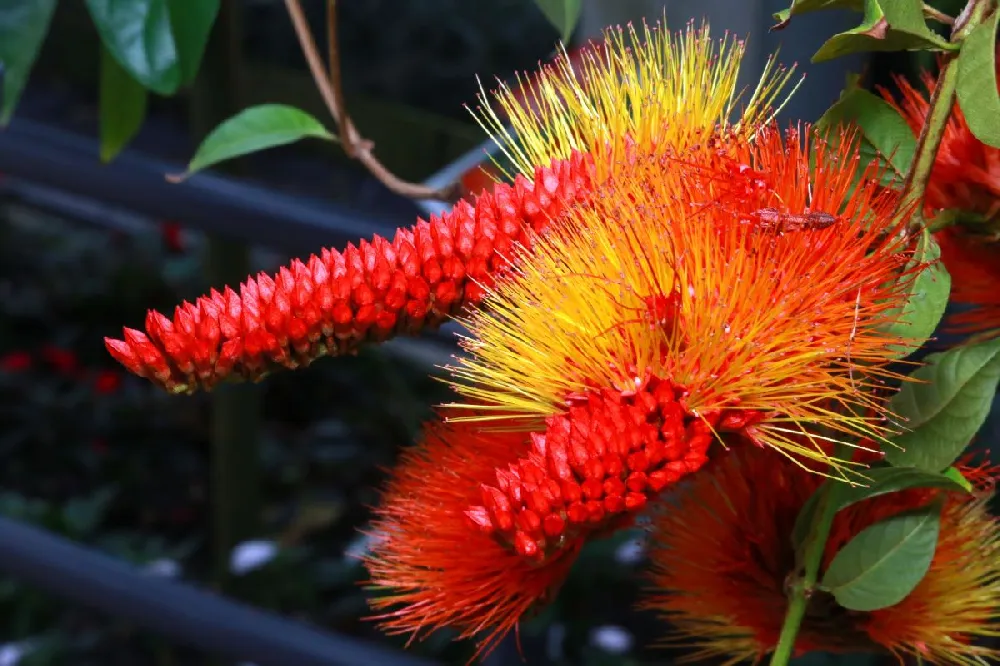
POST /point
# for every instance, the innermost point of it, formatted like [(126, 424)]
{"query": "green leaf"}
[(977, 82), (123, 106), (879, 481), (888, 25), (960, 480), (883, 131), (807, 516), (945, 408), (254, 129), (81, 516), (138, 34), (23, 26), (885, 480), (191, 23), (563, 14), (926, 300), (805, 6), (882, 564)]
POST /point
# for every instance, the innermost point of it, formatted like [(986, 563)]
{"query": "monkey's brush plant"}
[(674, 312), (965, 181), (673, 292), (662, 93)]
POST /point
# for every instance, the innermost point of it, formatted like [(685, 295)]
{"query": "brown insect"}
[(772, 218)]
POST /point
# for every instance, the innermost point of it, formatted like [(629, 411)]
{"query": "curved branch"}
[(329, 85)]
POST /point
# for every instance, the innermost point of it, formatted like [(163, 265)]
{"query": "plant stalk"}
[(802, 588), (941, 103)]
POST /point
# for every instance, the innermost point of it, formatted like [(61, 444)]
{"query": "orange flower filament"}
[(756, 286), (965, 177), (434, 567), (723, 551)]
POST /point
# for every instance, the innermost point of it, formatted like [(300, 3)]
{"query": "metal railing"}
[(55, 170)]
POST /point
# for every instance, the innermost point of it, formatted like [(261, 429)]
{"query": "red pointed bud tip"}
[(597, 465), (334, 302)]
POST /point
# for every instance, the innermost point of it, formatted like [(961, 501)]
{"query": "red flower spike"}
[(520, 506), (578, 476), (334, 302), (435, 557)]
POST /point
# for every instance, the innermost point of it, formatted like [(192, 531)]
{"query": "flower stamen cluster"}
[(597, 465)]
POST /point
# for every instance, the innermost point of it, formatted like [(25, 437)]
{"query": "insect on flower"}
[(774, 219)]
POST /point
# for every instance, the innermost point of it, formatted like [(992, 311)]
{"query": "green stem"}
[(802, 588), (941, 103)]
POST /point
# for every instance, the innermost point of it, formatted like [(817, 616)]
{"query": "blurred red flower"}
[(17, 361), (107, 382), (63, 361)]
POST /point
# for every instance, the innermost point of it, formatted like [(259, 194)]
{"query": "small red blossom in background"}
[(17, 361), (171, 234), (965, 177), (64, 361), (723, 549), (107, 382)]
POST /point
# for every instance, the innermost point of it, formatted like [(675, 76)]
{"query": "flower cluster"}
[(722, 554), (731, 291), (658, 287), (965, 177), (330, 304)]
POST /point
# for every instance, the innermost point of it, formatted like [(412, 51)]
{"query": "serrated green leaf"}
[(977, 82), (563, 14), (926, 299), (945, 408), (23, 26), (804, 6), (252, 130), (123, 106), (884, 563), (191, 23), (883, 131), (888, 25), (138, 34)]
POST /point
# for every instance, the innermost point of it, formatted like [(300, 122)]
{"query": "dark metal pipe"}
[(36, 152), (176, 610)]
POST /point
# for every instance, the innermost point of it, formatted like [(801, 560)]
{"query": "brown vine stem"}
[(329, 85), (938, 15)]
